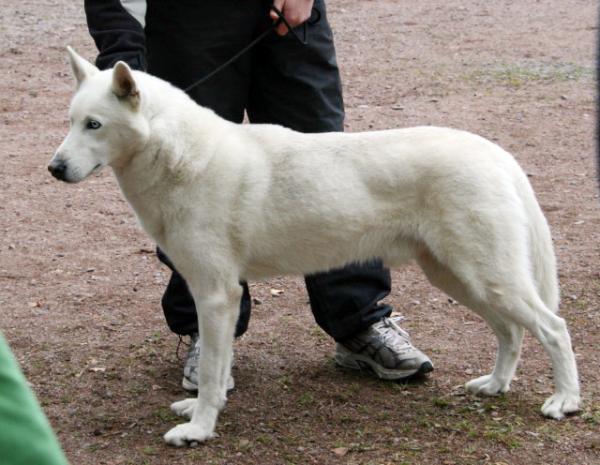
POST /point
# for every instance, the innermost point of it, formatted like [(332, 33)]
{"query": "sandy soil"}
[(80, 286)]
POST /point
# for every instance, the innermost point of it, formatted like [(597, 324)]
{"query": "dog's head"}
[(107, 124)]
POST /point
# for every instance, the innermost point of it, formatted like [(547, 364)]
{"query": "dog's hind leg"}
[(509, 334), (217, 311), (551, 330), (510, 338), (514, 305)]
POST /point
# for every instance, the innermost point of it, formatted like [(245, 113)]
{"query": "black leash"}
[(265, 33)]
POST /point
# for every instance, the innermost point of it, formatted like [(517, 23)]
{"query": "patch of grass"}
[(284, 381), (499, 402), (517, 75), (147, 450), (426, 422), (306, 399), (164, 415), (470, 449), (291, 441), (440, 403), (413, 446), (502, 434), (264, 439), (364, 409), (136, 389), (353, 388), (345, 419), (384, 416), (467, 427), (592, 416), (150, 372)]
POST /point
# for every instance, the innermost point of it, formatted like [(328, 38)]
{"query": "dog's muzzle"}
[(58, 169)]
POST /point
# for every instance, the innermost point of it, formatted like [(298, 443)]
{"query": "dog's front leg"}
[(217, 313)]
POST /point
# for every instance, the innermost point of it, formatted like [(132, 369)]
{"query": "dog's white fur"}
[(230, 202)]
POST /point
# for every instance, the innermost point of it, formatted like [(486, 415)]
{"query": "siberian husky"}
[(230, 202)]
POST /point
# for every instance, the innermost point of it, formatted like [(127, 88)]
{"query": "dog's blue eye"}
[(93, 124)]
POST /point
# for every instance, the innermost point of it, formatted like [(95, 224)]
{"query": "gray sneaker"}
[(190, 369), (385, 349)]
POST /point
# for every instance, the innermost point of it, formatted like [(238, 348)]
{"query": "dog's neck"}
[(167, 154), (167, 160)]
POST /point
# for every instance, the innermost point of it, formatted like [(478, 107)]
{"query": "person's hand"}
[(295, 12)]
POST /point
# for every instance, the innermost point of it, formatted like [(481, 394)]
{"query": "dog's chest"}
[(149, 210)]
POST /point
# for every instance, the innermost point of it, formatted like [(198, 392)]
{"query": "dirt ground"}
[(80, 286)]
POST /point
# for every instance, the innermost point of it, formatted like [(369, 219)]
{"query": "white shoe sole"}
[(347, 359)]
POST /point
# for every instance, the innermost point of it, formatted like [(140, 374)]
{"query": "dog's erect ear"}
[(81, 67), (124, 85)]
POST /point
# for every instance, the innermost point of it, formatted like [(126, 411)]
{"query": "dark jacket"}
[(117, 27)]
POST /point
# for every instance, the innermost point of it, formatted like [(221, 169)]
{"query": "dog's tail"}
[(543, 260)]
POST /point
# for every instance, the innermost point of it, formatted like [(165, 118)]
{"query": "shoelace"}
[(390, 330), (182, 342)]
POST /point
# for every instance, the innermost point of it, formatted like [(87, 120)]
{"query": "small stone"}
[(97, 369), (243, 444), (340, 451)]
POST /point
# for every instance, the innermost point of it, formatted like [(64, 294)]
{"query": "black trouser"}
[(282, 82)]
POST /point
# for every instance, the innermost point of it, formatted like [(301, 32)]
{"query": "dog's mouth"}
[(97, 168)]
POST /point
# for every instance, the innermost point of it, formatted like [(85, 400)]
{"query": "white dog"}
[(229, 202)]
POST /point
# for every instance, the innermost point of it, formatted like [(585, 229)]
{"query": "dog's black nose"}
[(58, 169)]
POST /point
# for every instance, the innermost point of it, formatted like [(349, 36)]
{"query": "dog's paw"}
[(188, 434), (486, 386), (184, 408), (559, 404)]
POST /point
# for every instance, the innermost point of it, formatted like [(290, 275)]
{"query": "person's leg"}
[(298, 86), (180, 311)]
